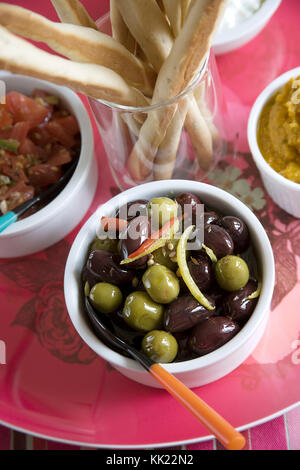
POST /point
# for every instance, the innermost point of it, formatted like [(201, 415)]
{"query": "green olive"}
[(161, 210), (232, 273), (161, 284), (106, 244), (160, 346), (162, 256), (141, 313), (105, 297), (87, 289)]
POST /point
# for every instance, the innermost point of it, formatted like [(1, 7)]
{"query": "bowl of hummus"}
[(274, 139)]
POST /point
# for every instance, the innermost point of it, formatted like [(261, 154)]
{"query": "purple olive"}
[(184, 313), (188, 199), (183, 287), (210, 218), (237, 306), (211, 334), (136, 232), (216, 293), (104, 266), (201, 270), (184, 353), (217, 239), (133, 209), (238, 231)]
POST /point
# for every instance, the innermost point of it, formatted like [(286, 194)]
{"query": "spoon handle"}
[(7, 219), (219, 427)]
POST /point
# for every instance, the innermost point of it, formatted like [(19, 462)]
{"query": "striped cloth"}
[(282, 433)]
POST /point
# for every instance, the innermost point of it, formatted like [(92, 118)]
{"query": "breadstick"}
[(174, 13), (19, 56), (204, 111), (195, 123), (186, 57), (80, 44), (166, 155), (199, 134), (72, 11), (152, 133), (133, 125), (120, 31), (190, 48), (160, 3), (185, 6), (149, 27), (199, 94)]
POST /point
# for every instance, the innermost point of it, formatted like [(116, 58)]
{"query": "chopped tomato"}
[(64, 129), (70, 124), (57, 131), (41, 136), (5, 133), (17, 194), (60, 156), (44, 175), (24, 108), (29, 148), (5, 118), (38, 136), (19, 131), (16, 132)]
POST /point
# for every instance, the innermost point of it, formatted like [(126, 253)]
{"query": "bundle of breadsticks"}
[(156, 51)]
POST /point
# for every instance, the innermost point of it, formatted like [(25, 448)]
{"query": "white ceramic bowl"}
[(284, 192), (230, 39), (54, 221), (198, 371)]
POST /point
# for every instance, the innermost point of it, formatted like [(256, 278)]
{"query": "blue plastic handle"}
[(7, 219)]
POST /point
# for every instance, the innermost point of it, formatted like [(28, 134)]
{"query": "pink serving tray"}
[(52, 385)]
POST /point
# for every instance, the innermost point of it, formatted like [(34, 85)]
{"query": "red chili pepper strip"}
[(165, 230), (112, 223)]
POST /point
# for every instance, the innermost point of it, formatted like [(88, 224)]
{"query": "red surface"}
[(52, 384)]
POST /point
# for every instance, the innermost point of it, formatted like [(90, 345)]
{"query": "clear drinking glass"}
[(194, 142)]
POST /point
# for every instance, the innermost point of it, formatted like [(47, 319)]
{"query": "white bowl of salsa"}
[(55, 220)]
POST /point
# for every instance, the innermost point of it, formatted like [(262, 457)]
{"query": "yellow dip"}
[(278, 132)]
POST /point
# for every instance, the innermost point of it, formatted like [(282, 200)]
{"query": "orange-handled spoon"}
[(229, 437), (218, 426)]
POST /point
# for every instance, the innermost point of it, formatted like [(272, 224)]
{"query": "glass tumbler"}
[(193, 141)]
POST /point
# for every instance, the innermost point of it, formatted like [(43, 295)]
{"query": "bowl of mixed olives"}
[(182, 271)]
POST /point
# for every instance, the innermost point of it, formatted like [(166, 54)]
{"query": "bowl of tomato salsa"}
[(44, 129)]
